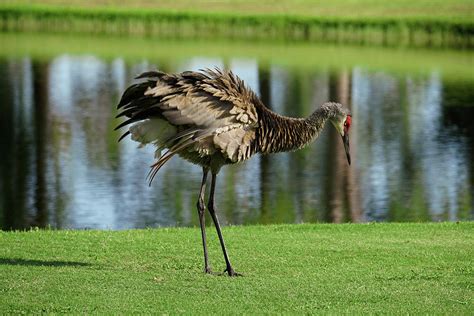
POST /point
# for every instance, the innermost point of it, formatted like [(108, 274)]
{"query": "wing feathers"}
[(211, 104)]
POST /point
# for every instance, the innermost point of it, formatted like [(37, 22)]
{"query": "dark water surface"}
[(412, 145)]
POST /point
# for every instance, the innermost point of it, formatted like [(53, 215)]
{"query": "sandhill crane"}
[(211, 118)]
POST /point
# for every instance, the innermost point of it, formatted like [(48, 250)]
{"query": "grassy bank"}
[(372, 268), (450, 28), (453, 65), (438, 9)]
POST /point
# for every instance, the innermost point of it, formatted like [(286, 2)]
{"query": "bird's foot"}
[(231, 272), (207, 270)]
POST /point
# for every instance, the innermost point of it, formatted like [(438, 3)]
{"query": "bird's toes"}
[(232, 273)]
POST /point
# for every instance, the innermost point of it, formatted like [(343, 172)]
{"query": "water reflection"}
[(412, 149)]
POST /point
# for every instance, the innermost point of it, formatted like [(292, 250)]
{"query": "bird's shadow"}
[(41, 263)]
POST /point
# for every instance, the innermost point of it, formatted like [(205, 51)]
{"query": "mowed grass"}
[(349, 268)]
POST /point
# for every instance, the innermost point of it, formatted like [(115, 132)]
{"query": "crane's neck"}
[(279, 133)]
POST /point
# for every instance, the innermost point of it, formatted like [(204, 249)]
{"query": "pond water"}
[(412, 144)]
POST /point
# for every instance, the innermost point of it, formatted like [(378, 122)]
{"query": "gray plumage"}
[(211, 118), (217, 119)]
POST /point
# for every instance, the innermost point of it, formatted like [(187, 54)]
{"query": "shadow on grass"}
[(41, 263)]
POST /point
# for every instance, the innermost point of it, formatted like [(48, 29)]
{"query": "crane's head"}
[(342, 119)]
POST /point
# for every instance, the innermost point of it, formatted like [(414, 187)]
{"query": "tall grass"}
[(408, 31)]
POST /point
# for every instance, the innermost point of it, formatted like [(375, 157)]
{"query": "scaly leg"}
[(201, 212), (212, 211)]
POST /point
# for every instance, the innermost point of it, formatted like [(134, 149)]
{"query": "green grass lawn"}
[(349, 268)]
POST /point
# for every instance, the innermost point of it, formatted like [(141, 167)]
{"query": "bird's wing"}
[(208, 105)]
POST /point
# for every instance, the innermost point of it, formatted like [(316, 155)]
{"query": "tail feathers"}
[(136, 105), (155, 131), (184, 140), (184, 143), (135, 91), (148, 115), (163, 135)]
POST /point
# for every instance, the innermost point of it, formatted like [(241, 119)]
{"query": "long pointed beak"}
[(345, 140)]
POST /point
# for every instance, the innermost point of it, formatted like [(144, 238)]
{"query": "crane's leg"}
[(212, 211), (201, 212)]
